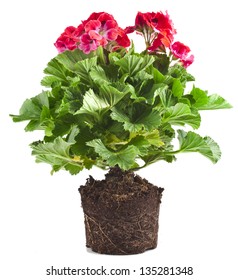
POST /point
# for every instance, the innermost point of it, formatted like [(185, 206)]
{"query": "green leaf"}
[(98, 75), (149, 120), (70, 58), (200, 97), (157, 90), (142, 76), (80, 147), (57, 154), (121, 117), (93, 105), (162, 62), (153, 138), (192, 142), (179, 72), (46, 121), (112, 95), (28, 111), (155, 156), (165, 97), (31, 108), (48, 81), (203, 101), (73, 133), (97, 105), (180, 114), (141, 143), (147, 61), (74, 81), (82, 68), (124, 158), (57, 70), (158, 77), (132, 64), (72, 100), (216, 102), (213, 147), (177, 88)]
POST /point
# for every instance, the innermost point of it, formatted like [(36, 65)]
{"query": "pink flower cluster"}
[(158, 31), (100, 29)]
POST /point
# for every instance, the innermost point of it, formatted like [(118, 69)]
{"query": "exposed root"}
[(121, 213)]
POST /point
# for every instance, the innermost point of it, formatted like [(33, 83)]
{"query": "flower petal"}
[(103, 17), (87, 44), (163, 22), (180, 50), (188, 61), (111, 34), (92, 25), (122, 39), (94, 35), (109, 24)]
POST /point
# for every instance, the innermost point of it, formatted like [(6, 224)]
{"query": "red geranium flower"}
[(143, 20), (87, 44), (129, 29), (188, 61), (157, 21), (182, 51), (162, 40), (100, 29), (122, 39), (157, 29), (102, 32), (101, 16), (69, 39), (162, 22)]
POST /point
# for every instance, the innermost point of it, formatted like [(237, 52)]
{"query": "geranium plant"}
[(109, 106)]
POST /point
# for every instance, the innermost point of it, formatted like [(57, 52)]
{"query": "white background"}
[(41, 217)]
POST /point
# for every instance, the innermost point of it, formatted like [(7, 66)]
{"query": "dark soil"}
[(121, 213)]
